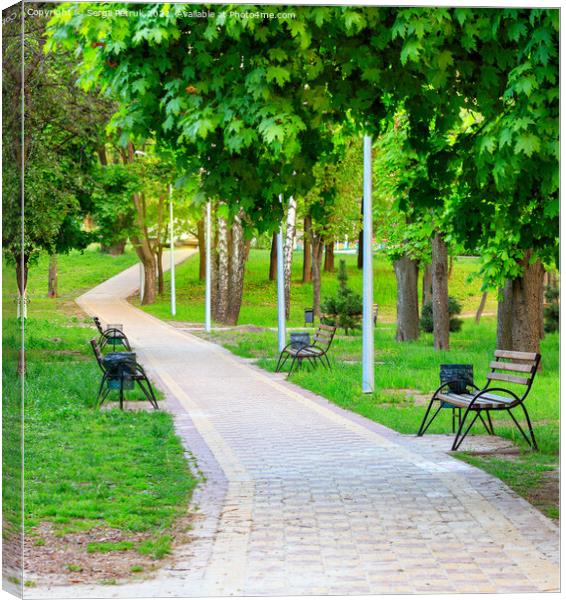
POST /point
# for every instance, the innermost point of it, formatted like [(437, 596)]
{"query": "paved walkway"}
[(302, 497)]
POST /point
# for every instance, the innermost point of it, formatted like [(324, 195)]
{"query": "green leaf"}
[(410, 51), (527, 143), (279, 74), (444, 59)]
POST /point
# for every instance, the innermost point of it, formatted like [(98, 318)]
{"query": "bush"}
[(345, 309), (454, 308), (552, 309)]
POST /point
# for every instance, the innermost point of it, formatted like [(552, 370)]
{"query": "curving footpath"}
[(302, 497)]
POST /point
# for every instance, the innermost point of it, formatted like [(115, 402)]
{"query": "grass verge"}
[(103, 488)]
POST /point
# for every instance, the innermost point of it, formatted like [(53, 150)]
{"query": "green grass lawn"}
[(88, 470), (259, 306)]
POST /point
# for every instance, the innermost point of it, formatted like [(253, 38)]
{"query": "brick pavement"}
[(302, 497)]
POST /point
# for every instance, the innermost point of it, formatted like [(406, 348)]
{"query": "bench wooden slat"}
[(509, 366), (510, 378), (327, 327), (463, 400), (516, 355)]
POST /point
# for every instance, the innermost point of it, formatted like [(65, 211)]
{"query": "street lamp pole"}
[(172, 253), (367, 316), (281, 334), (208, 288)]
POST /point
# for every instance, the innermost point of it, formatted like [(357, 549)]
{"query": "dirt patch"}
[(65, 559), (417, 397), (547, 493)]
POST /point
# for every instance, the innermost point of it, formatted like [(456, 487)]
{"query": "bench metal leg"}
[(422, 428), (459, 437), (487, 428), (279, 363), (490, 422), (531, 442)]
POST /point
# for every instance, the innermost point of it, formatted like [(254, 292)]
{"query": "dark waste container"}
[(460, 375), (300, 339), (120, 367)]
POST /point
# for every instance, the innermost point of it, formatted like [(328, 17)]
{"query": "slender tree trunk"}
[(288, 251), (450, 267), (427, 284), (214, 272), (52, 287), (440, 316), (223, 271), (142, 241), (22, 273), (159, 261), (317, 246), (505, 317), (361, 241), (237, 267), (329, 258), (201, 250), (407, 274), (307, 250), (481, 307), (273, 258)]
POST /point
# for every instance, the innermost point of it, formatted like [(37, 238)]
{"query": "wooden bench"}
[(521, 369), (318, 350)]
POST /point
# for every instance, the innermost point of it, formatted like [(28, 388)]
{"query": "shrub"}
[(345, 308), (454, 308)]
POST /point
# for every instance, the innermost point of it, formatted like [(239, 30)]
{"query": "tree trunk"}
[(22, 273), (214, 272), (115, 249), (450, 267), (159, 261), (427, 284), (288, 251), (307, 250), (273, 259), (52, 287), (237, 266), (329, 258), (481, 307), (142, 241), (317, 246), (361, 241), (528, 296), (201, 250), (520, 312), (440, 316), (505, 317), (223, 271), (407, 274)]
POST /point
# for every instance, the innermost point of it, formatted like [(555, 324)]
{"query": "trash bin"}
[(300, 339), (120, 367), (309, 316), (461, 375)]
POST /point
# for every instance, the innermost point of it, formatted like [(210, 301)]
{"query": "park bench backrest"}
[(98, 324), (324, 336), (521, 365), (97, 353)]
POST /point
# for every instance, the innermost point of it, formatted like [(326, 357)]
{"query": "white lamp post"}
[(367, 318), (281, 334), (172, 254), (208, 289)]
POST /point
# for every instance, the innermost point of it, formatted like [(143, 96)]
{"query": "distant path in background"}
[(302, 497)]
